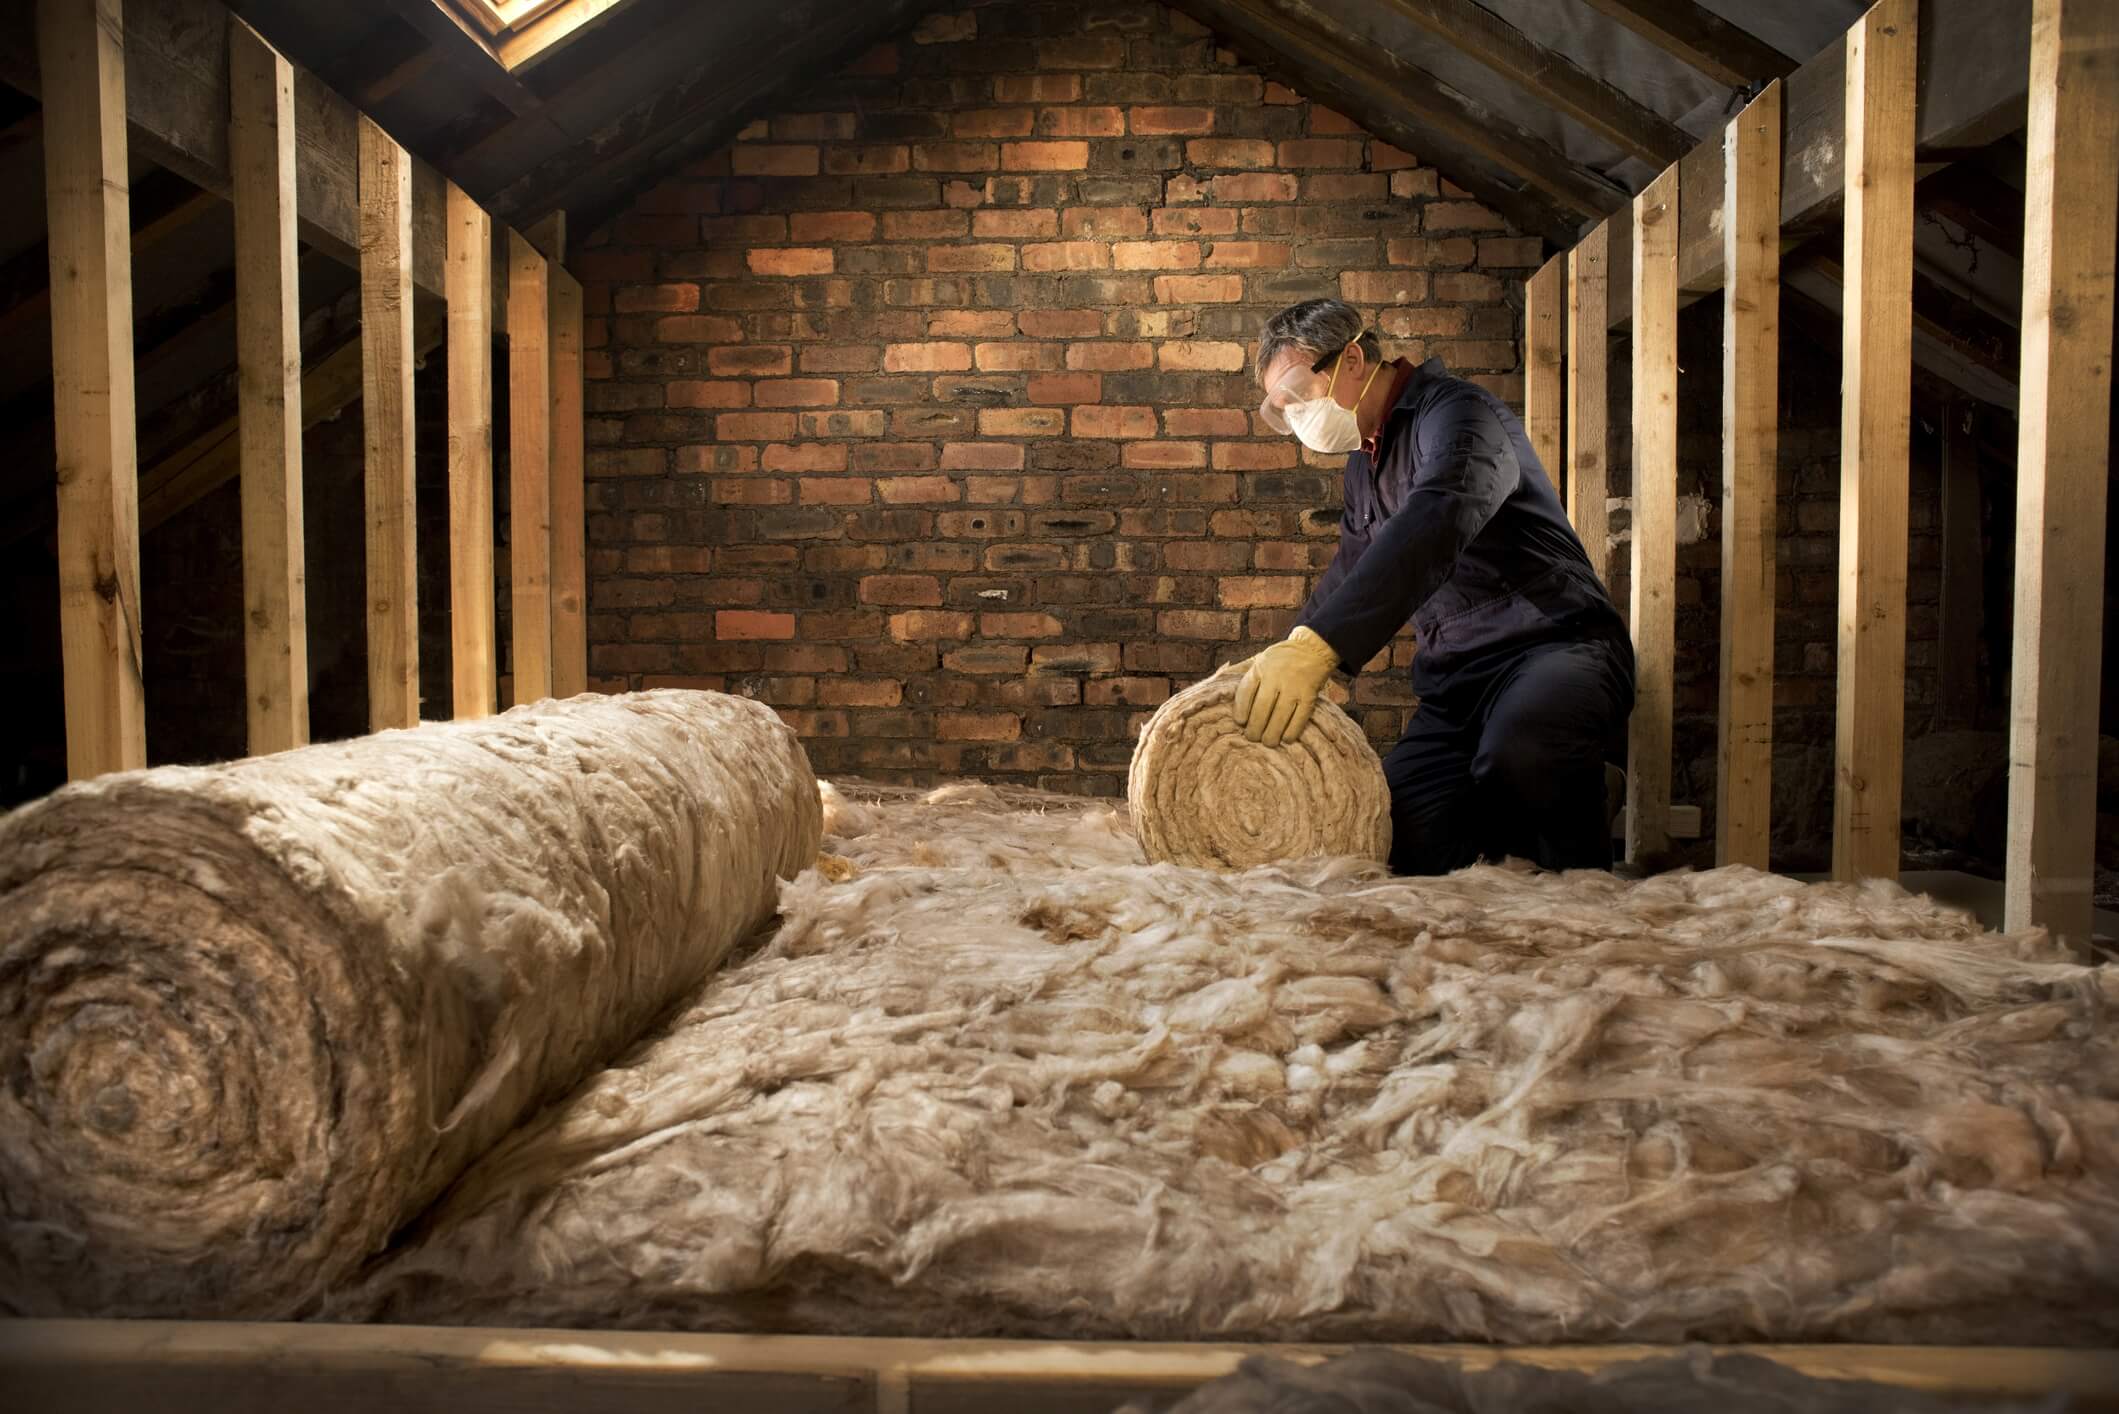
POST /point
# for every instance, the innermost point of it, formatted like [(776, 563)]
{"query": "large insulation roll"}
[(255, 1016), (1202, 794)]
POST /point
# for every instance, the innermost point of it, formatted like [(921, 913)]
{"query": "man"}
[(1524, 669)]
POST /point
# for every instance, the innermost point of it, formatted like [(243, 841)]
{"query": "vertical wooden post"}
[(529, 467), (268, 336), (1875, 425), (386, 401), (1963, 568), (469, 282), (1751, 296), (81, 51), (1588, 361), (570, 624), (1655, 512), (1543, 317), (2063, 444)]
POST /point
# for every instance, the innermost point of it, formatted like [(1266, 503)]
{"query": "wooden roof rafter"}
[(1693, 33)]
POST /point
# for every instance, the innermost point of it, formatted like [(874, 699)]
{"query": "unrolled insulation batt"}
[(255, 1016)]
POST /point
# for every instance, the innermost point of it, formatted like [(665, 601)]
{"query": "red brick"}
[(1110, 357), (924, 225), (1232, 152), (971, 324), (1037, 88), (1488, 354), (867, 161), (1280, 93), (1196, 221), (1198, 289), (1450, 250), (1126, 692), (953, 157), (993, 122), (1114, 422), (982, 456), (807, 456), (893, 456), (1199, 623), (1061, 323), (696, 393), (927, 358), (717, 458), (1165, 456), (929, 623), (1346, 186), (986, 659), (698, 329), (1081, 122), (1089, 51), (1206, 422), (1067, 255), (1331, 122), (1246, 187), (754, 426), (1012, 224), (831, 226), (1155, 255), (796, 392), (840, 358), (752, 359), (1104, 221), (762, 160), (845, 423), (813, 127), (1066, 388), (752, 623), (1044, 156), (978, 726), (944, 259), (1249, 255), (859, 692), (1171, 120), (1466, 288), (1424, 321), (1015, 356), (752, 491), (1207, 555), (1022, 422), (656, 299), (835, 491), (1261, 592), (914, 590), (1383, 286), (1458, 216), (1019, 625), (1318, 152), (1203, 355), (1385, 158), (918, 490), (1255, 456), (1519, 252)]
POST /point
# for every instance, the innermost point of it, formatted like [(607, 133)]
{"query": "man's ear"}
[(1353, 369)]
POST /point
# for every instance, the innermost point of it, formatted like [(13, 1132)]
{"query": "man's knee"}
[(1531, 769)]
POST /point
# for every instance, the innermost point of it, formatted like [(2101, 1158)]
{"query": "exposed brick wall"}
[(923, 412)]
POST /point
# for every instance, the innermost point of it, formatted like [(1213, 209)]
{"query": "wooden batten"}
[(570, 589), (81, 50), (1588, 365), (1544, 322), (469, 273), (261, 160), (1750, 452), (2062, 454), (1655, 493), (1875, 425), (529, 467), (386, 405)]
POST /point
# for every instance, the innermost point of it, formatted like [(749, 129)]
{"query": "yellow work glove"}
[(1279, 689)]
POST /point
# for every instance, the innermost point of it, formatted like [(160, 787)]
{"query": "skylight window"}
[(519, 32)]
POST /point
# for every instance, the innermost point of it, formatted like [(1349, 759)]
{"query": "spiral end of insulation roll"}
[(1202, 795)]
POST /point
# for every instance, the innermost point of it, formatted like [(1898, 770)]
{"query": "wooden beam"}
[(471, 587), (2062, 451), (471, 55), (1692, 33), (269, 359), (570, 589), (1750, 480), (549, 235), (81, 50), (1964, 599), (386, 406), (1552, 77), (529, 468), (1655, 529), (534, 39), (1588, 361), (1544, 327), (1875, 425)]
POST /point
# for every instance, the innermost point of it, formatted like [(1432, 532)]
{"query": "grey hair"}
[(1317, 327)]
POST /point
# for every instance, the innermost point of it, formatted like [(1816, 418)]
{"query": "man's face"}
[(1298, 376)]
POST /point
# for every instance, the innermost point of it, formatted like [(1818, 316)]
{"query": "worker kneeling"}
[(1524, 670)]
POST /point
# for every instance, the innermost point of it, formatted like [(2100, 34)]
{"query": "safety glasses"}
[(1297, 385)]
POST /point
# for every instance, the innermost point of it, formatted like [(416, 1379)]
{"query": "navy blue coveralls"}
[(1524, 668)]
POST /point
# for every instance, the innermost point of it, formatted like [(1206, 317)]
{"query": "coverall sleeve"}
[(1463, 470), (1352, 543)]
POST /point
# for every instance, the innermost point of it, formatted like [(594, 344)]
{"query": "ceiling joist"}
[(1699, 37)]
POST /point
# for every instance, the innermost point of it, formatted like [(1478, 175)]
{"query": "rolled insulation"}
[(255, 1016), (1202, 794)]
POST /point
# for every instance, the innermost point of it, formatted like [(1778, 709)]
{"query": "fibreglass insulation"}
[(1009, 1080), (254, 1016), (1203, 794)]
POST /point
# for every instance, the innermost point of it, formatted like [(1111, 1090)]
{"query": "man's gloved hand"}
[(1279, 689)]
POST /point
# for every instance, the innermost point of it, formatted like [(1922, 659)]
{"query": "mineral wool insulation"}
[(1007, 1080)]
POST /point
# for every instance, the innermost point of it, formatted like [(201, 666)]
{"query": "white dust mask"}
[(1322, 425)]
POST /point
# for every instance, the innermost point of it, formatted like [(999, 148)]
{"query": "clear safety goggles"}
[(1298, 385)]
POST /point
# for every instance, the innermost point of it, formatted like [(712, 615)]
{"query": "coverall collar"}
[(1407, 381)]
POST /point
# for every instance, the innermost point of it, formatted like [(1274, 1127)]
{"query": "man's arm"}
[(1464, 470), (1351, 545)]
